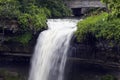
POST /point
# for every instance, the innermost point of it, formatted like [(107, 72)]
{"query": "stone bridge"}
[(80, 6), (84, 3)]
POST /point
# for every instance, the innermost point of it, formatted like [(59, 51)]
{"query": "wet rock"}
[(92, 49), (1, 78)]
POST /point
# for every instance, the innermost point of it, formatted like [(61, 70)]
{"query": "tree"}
[(9, 8), (113, 6), (57, 7)]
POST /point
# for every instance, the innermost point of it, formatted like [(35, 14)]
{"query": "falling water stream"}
[(51, 50)]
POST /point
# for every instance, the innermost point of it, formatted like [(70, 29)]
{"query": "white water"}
[(50, 54)]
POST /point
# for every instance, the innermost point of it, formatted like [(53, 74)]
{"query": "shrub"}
[(113, 7), (88, 25), (23, 38), (9, 8), (100, 27)]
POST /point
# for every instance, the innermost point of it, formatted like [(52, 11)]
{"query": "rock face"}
[(16, 48), (8, 42), (93, 59), (92, 49), (88, 49)]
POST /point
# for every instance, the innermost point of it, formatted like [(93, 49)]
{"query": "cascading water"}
[(50, 54)]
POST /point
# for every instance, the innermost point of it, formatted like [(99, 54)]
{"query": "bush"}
[(23, 38), (9, 9), (88, 25), (36, 22), (100, 27), (113, 7)]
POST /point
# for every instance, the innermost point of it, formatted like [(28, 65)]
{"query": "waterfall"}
[(50, 53)]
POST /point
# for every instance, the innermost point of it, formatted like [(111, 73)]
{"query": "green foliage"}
[(88, 25), (34, 18), (24, 39), (36, 22), (108, 77), (114, 7), (31, 15), (9, 8), (25, 3), (105, 26), (100, 27), (109, 29), (56, 7), (23, 20)]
